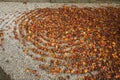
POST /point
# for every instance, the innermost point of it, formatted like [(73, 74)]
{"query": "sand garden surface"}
[(60, 41)]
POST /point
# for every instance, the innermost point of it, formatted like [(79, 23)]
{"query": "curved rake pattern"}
[(72, 41)]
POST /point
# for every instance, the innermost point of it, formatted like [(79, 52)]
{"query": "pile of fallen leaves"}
[(81, 40), (1, 38)]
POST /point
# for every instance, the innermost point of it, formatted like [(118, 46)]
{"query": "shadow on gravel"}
[(3, 75)]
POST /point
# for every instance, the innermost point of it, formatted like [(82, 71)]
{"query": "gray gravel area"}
[(12, 59)]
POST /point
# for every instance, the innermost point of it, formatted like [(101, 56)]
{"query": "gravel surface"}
[(12, 59)]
